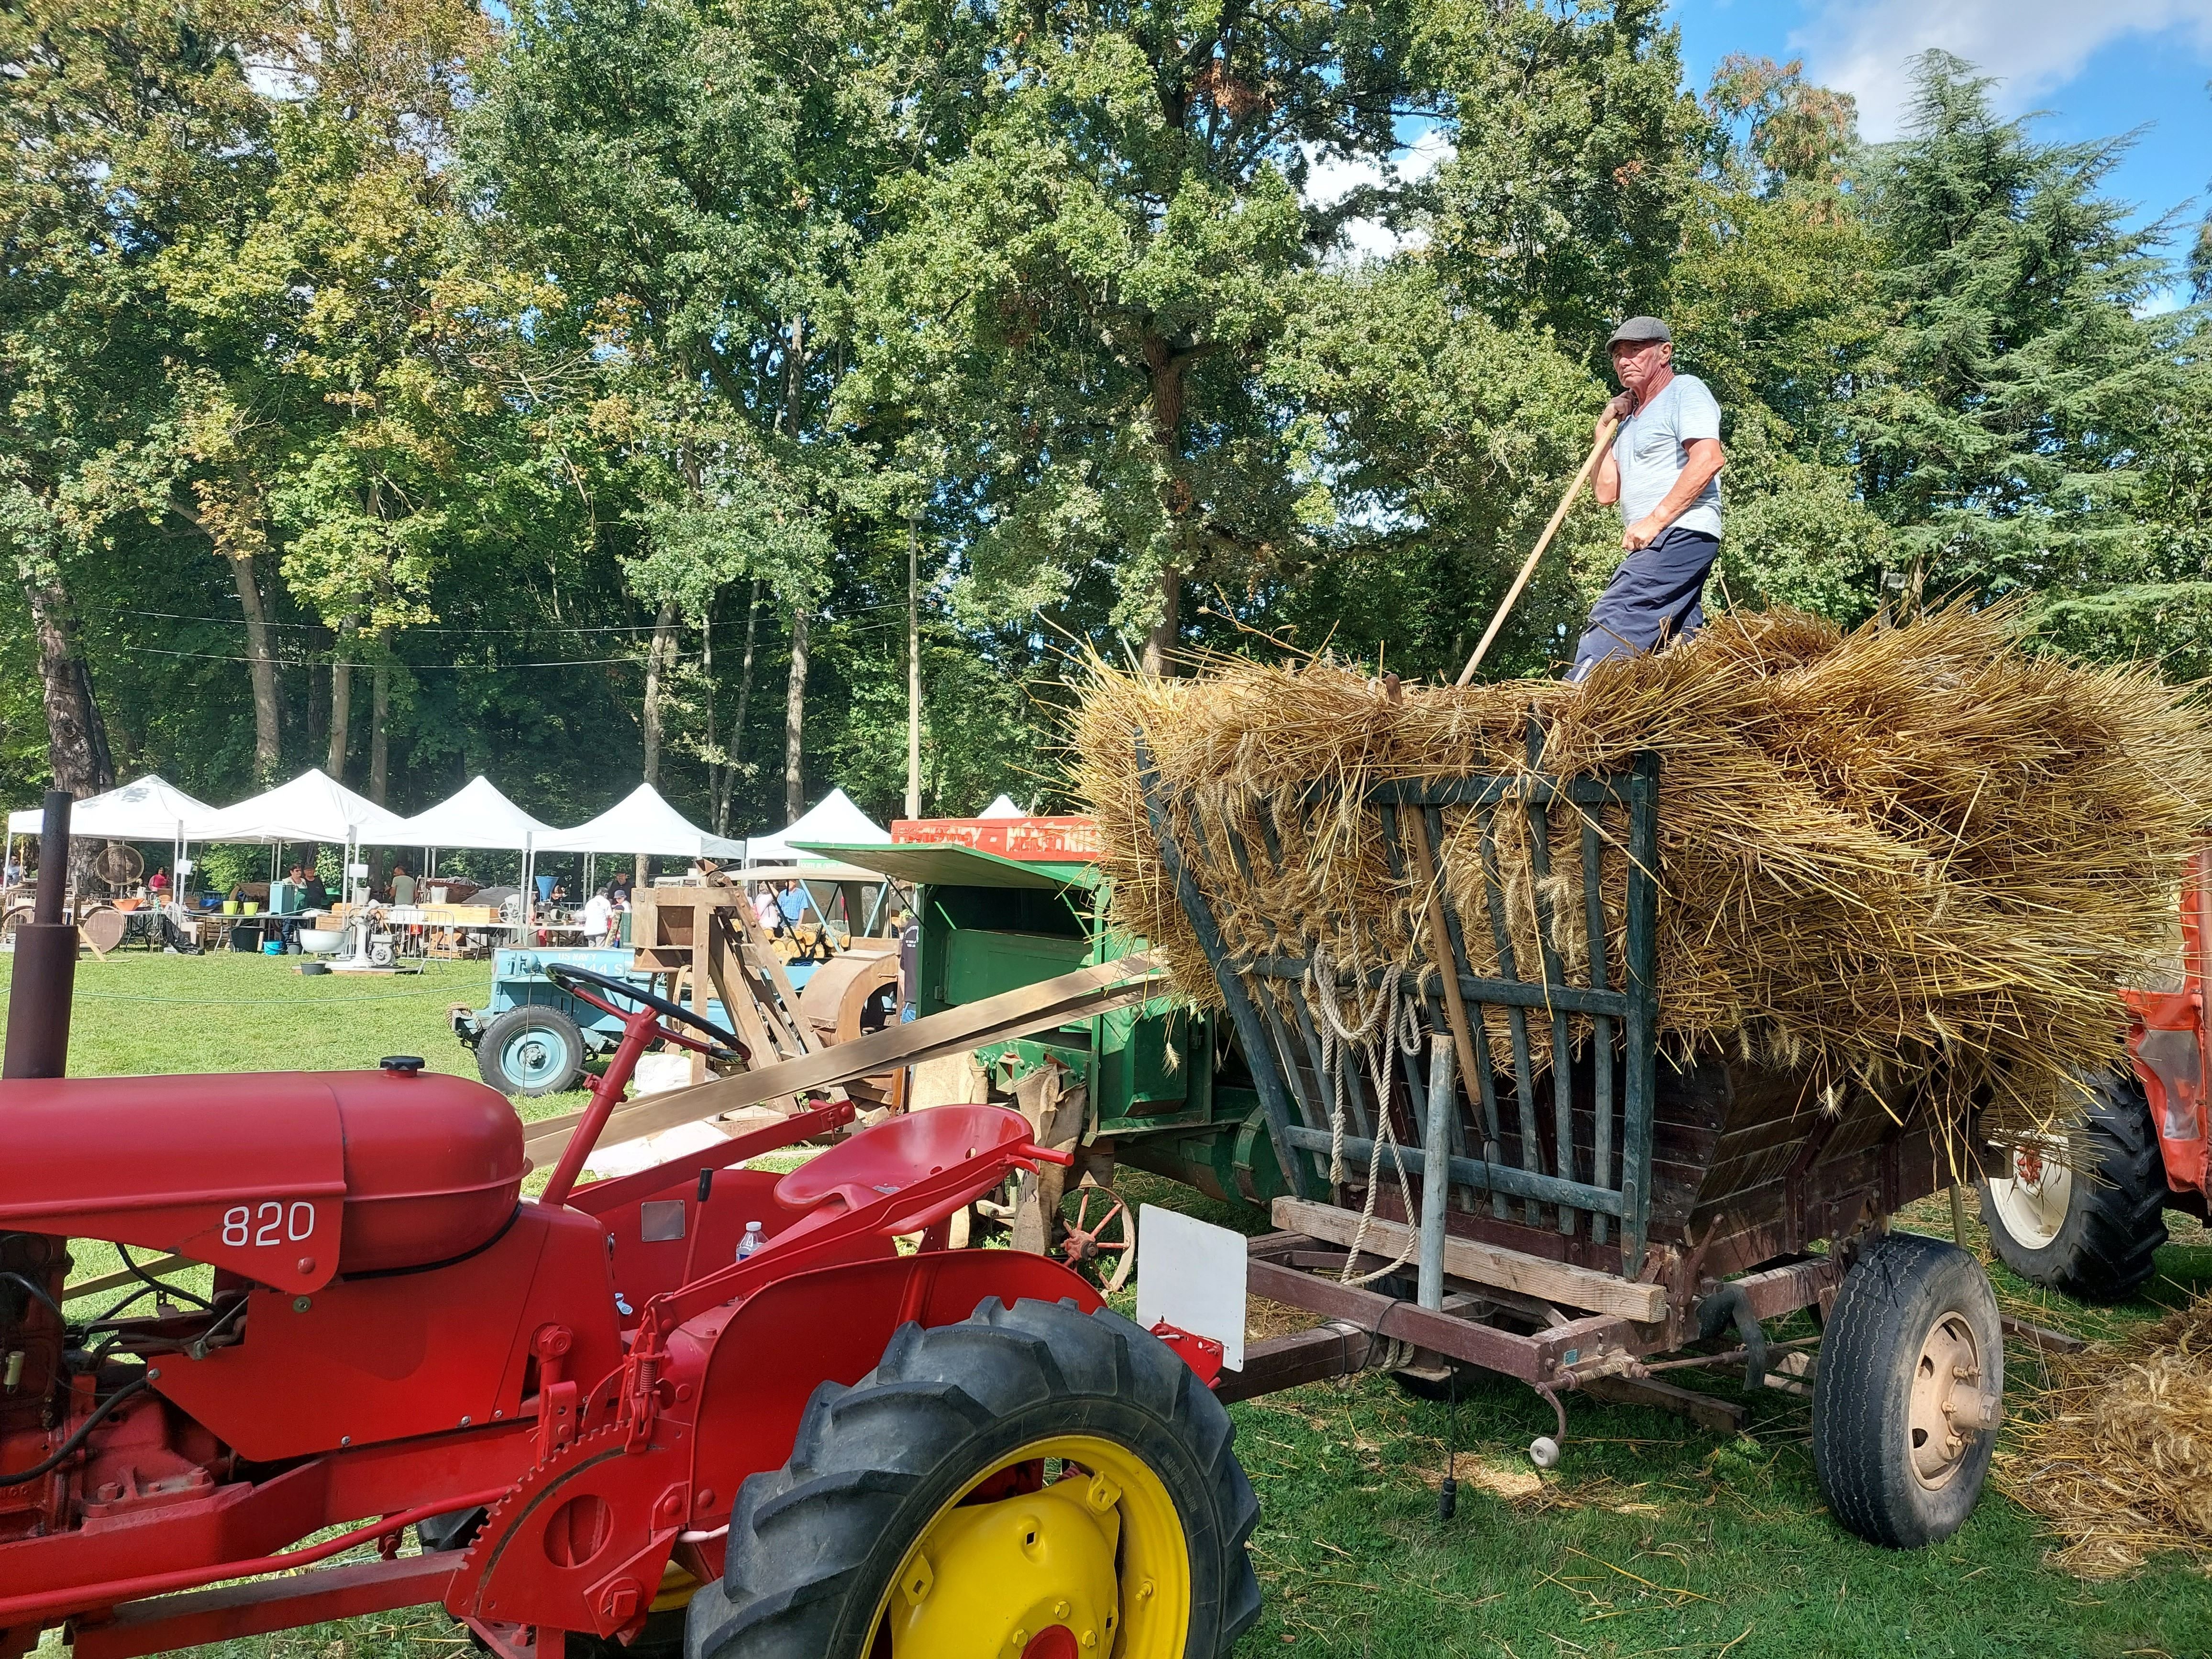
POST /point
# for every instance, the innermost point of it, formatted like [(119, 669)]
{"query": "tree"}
[(725, 144), (1576, 152), (124, 121), (1080, 295), (2002, 421)]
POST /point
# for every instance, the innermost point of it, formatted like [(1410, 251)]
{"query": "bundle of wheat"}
[(1917, 859), (2118, 1455)]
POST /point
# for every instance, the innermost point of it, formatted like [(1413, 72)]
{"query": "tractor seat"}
[(894, 1154), (224, 1168)]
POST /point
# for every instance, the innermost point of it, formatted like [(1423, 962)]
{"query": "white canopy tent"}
[(150, 809), (313, 807), (1003, 807), (477, 816), (834, 818), (642, 822)]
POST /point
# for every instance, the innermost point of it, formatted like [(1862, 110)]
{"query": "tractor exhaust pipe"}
[(42, 987)]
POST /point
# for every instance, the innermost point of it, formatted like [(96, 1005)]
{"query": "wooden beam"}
[(1707, 1411), (1095, 990), (1485, 1264)]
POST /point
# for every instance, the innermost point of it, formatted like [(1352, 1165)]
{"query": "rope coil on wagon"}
[(1381, 1024)]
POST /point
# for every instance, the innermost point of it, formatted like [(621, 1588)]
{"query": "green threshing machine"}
[(1163, 1088)]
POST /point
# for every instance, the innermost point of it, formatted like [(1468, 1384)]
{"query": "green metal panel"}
[(979, 964)]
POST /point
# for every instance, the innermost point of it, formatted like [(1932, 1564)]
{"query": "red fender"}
[(583, 1541)]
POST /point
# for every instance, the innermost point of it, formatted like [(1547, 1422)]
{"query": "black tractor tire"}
[(528, 1052), (813, 1547), (2103, 1250), (1903, 1293)]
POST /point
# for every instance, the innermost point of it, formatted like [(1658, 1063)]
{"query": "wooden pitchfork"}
[(1559, 517)]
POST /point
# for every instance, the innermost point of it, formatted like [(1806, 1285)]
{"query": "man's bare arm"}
[(1702, 463), (1605, 482)]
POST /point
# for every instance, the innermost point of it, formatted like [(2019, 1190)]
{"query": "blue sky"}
[(2100, 67)]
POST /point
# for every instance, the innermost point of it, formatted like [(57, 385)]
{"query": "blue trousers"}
[(1652, 597)]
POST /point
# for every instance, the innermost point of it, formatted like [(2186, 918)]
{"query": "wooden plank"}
[(1707, 1411), (1485, 1264), (1099, 989), (750, 925), (1285, 1362)]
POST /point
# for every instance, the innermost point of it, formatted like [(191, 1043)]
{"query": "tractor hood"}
[(286, 1178)]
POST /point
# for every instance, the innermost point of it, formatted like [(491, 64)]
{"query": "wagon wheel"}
[(12, 923), (1102, 1246), (103, 929)]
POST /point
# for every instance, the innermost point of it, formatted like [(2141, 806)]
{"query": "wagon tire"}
[(531, 1051), (1912, 1314), (879, 1509), (2096, 1242)]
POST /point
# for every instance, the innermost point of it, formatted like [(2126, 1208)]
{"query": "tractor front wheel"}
[(1032, 1481), (2092, 1237), (530, 1051)]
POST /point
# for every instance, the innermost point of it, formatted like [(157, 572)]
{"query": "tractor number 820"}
[(268, 1223)]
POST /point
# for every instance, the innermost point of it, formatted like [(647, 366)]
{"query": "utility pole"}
[(912, 668)]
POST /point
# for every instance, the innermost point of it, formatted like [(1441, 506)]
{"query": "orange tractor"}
[(2091, 1232)]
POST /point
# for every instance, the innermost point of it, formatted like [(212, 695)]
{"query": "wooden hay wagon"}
[(1570, 1224)]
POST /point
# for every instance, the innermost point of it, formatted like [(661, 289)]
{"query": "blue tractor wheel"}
[(530, 1051)]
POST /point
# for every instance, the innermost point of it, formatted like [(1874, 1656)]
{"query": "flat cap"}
[(1638, 331)]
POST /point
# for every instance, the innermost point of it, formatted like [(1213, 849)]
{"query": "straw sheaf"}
[(2119, 1458), (1918, 859)]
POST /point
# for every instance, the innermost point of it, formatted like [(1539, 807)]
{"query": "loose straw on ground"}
[(2117, 1456)]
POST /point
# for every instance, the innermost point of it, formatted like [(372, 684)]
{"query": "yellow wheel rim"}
[(1091, 1564)]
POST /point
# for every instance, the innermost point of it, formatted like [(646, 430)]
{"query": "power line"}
[(411, 667)]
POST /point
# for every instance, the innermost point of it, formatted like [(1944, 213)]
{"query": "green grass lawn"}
[(1653, 1538)]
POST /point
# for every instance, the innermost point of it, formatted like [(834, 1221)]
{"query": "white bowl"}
[(321, 941)]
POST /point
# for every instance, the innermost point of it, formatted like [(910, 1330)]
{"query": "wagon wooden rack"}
[(1598, 1214)]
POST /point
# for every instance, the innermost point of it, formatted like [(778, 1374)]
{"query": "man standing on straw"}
[(1664, 470)]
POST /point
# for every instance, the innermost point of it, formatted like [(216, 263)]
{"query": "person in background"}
[(598, 917), (618, 890), (159, 887), (764, 910), (14, 876), (792, 901), (909, 938), (402, 885), (313, 896)]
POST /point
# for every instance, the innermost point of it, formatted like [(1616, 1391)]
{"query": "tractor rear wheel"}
[(2092, 1237), (530, 1051), (1033, 1481), (1906, 1398)]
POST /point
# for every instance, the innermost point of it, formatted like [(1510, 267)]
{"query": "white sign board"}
[(359, 872), (1191, 1273)]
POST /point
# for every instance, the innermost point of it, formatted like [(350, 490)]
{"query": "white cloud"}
[(2033, 46), (1330, 180)]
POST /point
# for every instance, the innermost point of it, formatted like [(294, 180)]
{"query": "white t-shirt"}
[(598, 914), (1651, 451)]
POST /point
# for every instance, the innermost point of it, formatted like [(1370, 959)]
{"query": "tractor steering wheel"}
[(562, 972)]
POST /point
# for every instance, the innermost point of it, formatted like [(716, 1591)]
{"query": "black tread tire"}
[(812, 1547), (496, 1035), (2103, 1251), (1890, 1300)]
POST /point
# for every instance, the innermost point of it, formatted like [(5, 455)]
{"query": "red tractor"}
[(2092, 1235), (606, 1425)]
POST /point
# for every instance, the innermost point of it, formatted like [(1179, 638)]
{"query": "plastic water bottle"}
[(753, 1240)]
